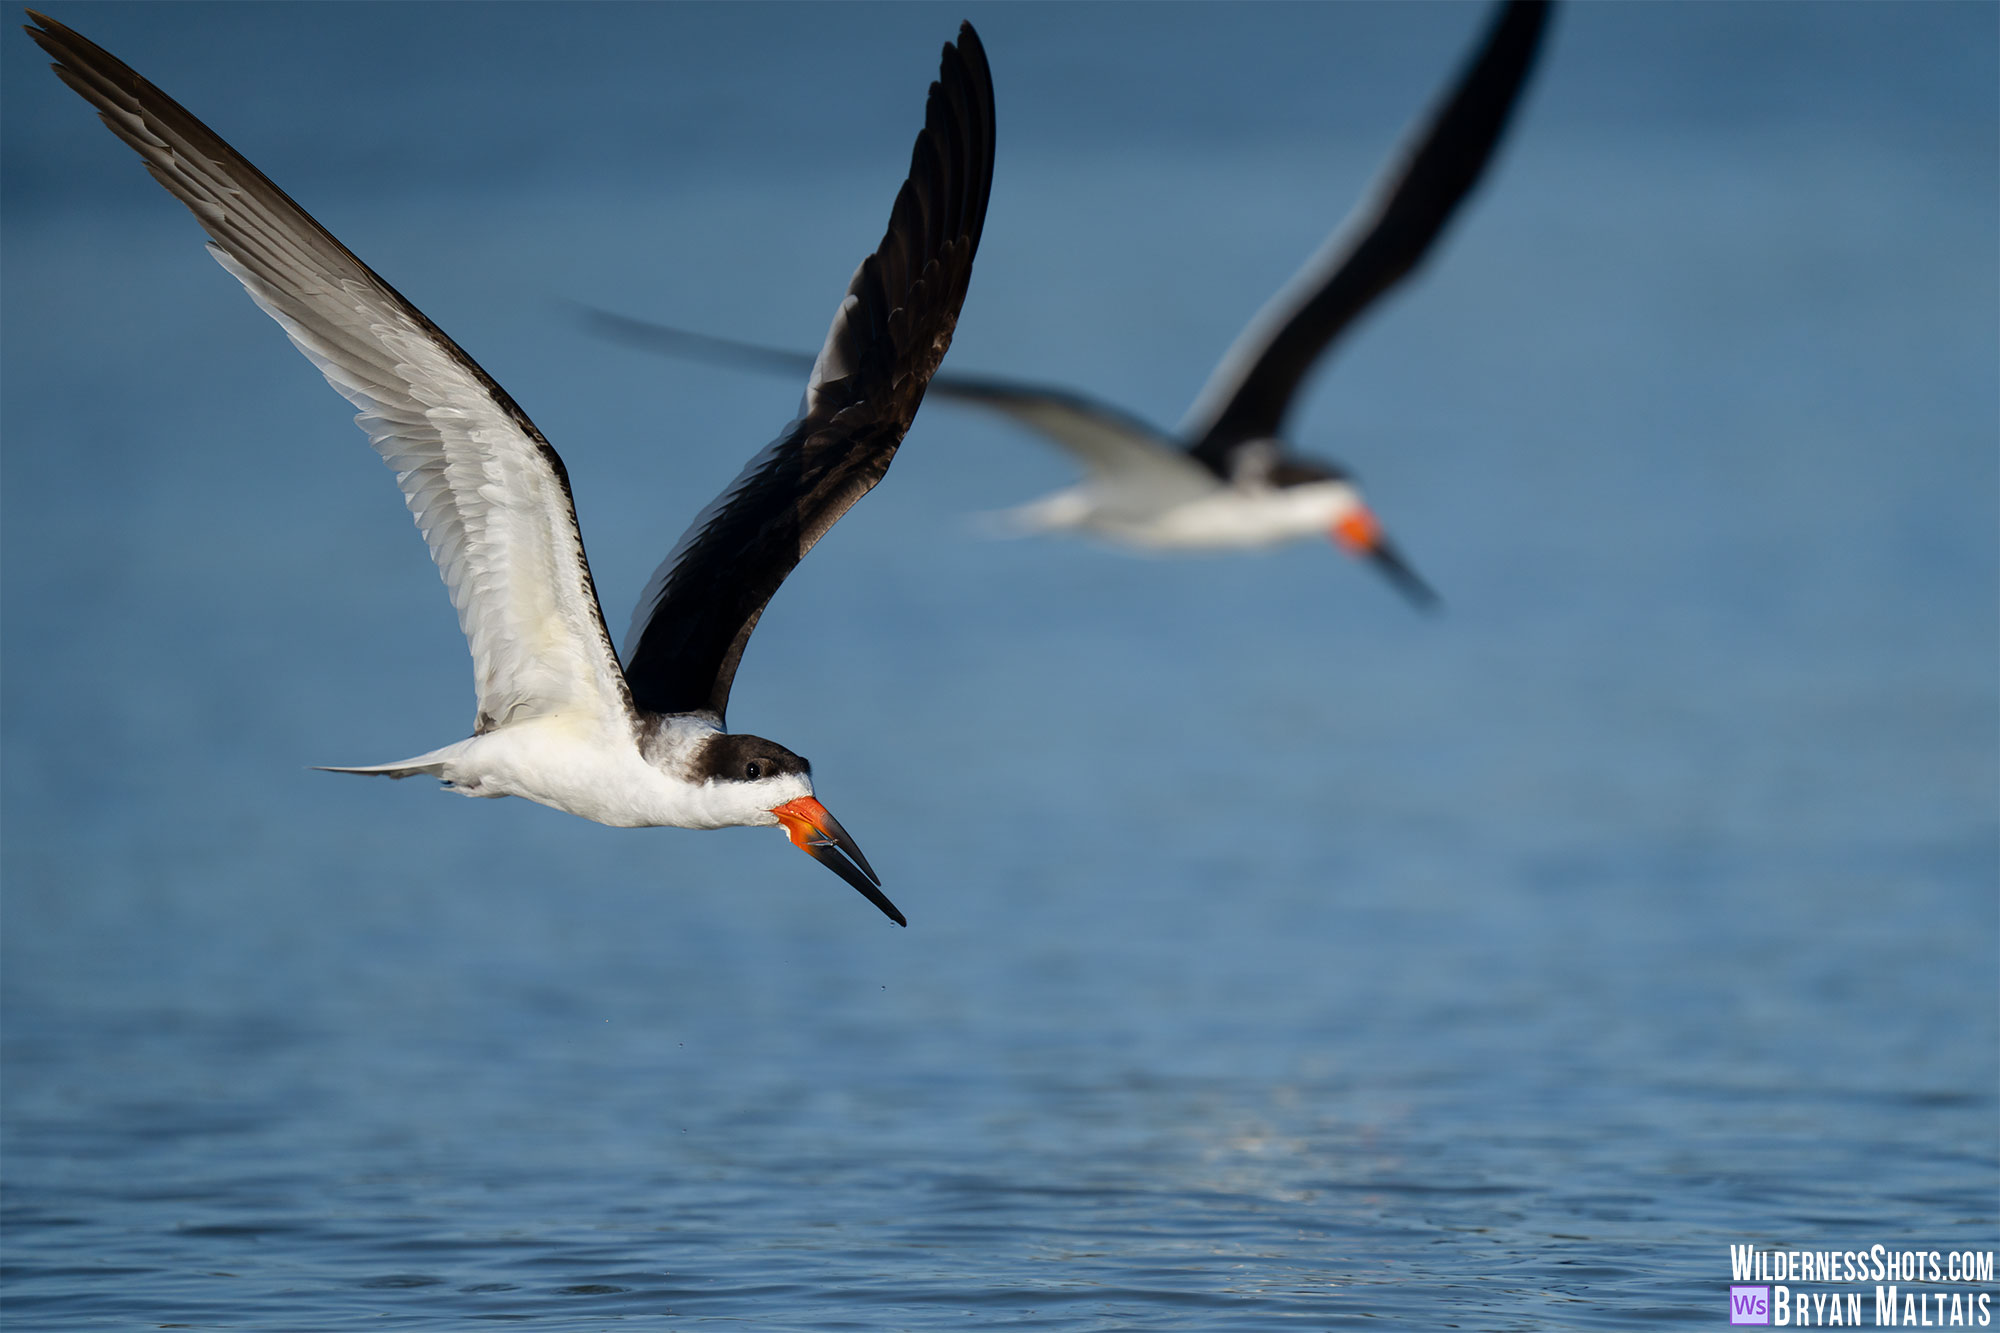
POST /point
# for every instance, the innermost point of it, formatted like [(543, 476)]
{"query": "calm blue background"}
[(1278, 957)]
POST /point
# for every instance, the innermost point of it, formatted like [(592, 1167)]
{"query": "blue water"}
[(1278, 957)]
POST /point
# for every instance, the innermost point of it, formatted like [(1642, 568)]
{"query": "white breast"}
[(1232, 517)]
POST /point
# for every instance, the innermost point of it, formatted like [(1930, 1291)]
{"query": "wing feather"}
[(1109, 442), (1103, 438), (885, 342), (1252, 390), (489, 494)]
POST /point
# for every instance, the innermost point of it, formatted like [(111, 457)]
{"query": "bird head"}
[(1343, 514), (759, 782)]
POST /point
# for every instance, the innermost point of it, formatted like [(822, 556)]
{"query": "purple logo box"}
[(1749, 1305)]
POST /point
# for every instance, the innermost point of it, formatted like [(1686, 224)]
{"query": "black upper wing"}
[(1251, 391), (887, 339)]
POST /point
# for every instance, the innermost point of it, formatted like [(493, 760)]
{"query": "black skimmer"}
[(1228, 479), (559, 720)]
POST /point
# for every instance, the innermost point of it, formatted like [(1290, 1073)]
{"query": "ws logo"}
[(1749, 1305)]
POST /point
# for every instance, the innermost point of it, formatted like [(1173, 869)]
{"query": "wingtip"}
[(968, 39), (966, 57), (42, 29)]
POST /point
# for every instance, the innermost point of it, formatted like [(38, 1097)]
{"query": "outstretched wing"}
[(1102, 438), (1251, 391), (1107, 441), (886, 341), (489, 494)]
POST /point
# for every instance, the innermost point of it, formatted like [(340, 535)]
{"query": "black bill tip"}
[(833, 847), (1406, 580)]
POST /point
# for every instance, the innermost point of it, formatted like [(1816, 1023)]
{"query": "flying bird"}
[(559, 720), (1228, 478)]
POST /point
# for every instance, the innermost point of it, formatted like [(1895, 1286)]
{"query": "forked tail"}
[(424, 765), (403, 770)]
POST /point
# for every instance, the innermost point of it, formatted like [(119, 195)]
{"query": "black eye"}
[(753, 770)]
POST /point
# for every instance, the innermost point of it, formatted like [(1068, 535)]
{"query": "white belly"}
[(1227, 518), (575, 764)]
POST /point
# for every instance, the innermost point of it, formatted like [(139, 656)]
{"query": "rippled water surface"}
[(1278, 957)]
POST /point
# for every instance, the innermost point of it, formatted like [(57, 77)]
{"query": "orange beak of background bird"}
[(1358, 531), (814, 831)]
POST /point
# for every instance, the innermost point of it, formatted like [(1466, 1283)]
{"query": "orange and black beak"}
[(1360, 533), (814, 831)]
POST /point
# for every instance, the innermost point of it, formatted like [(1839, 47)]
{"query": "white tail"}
[(431, 765), (1059, 512)]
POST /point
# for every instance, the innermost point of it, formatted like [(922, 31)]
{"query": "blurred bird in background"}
[(1228, 478)]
